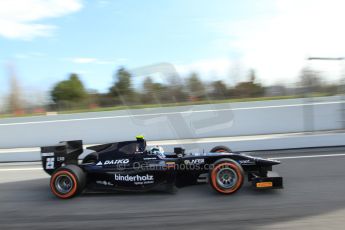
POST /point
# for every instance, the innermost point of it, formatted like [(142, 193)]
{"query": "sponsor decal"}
[(150, 158), (60, 159), (113, 162), (47, 154), (267, 184), (137, 179), (170, 164), (138, 152), (194, 161), (106, 183), (50, 163), (246, 162)]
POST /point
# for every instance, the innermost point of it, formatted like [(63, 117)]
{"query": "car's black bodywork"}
[(129, 166)]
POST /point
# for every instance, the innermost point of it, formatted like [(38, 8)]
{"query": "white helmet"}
[(157, 150)]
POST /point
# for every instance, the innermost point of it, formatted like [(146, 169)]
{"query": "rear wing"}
[(64, 153)]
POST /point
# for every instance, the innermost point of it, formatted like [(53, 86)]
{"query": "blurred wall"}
[(250, 118)]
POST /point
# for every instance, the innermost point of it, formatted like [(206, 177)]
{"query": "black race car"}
[(129, 166)]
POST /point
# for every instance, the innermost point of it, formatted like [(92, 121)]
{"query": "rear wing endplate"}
[(56, 156)]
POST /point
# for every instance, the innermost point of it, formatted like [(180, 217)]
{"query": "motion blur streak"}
[(171, 113), (312, 156)]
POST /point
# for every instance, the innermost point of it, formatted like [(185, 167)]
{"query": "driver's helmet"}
[(158, 151)]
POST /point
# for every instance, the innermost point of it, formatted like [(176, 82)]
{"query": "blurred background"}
[(80, 56)]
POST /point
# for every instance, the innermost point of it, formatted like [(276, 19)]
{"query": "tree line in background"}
[(71, 93)]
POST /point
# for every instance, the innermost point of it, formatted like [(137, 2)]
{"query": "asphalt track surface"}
[(313, 198)]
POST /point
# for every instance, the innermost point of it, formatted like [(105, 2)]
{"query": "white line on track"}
[(170, 113), (19, 169), (308, 156), (20, 150), (275, 158)]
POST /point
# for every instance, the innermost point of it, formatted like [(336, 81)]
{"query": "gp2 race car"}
[(129, 166)]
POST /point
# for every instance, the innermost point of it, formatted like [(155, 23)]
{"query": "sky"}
[(43, 41)]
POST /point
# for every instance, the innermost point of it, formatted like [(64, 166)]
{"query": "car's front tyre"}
[(226, 176)]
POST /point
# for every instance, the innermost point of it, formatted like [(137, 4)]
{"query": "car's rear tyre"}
[(221, 149), (68, 181), (227, 176)]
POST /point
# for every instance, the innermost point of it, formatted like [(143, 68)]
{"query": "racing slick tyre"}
[(68, 181), (227, 176), (220, 149)]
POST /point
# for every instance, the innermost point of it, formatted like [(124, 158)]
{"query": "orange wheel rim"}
[(235, 168), (73, 189)]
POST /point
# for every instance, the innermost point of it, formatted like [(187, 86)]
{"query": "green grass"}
[(146, 106)]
